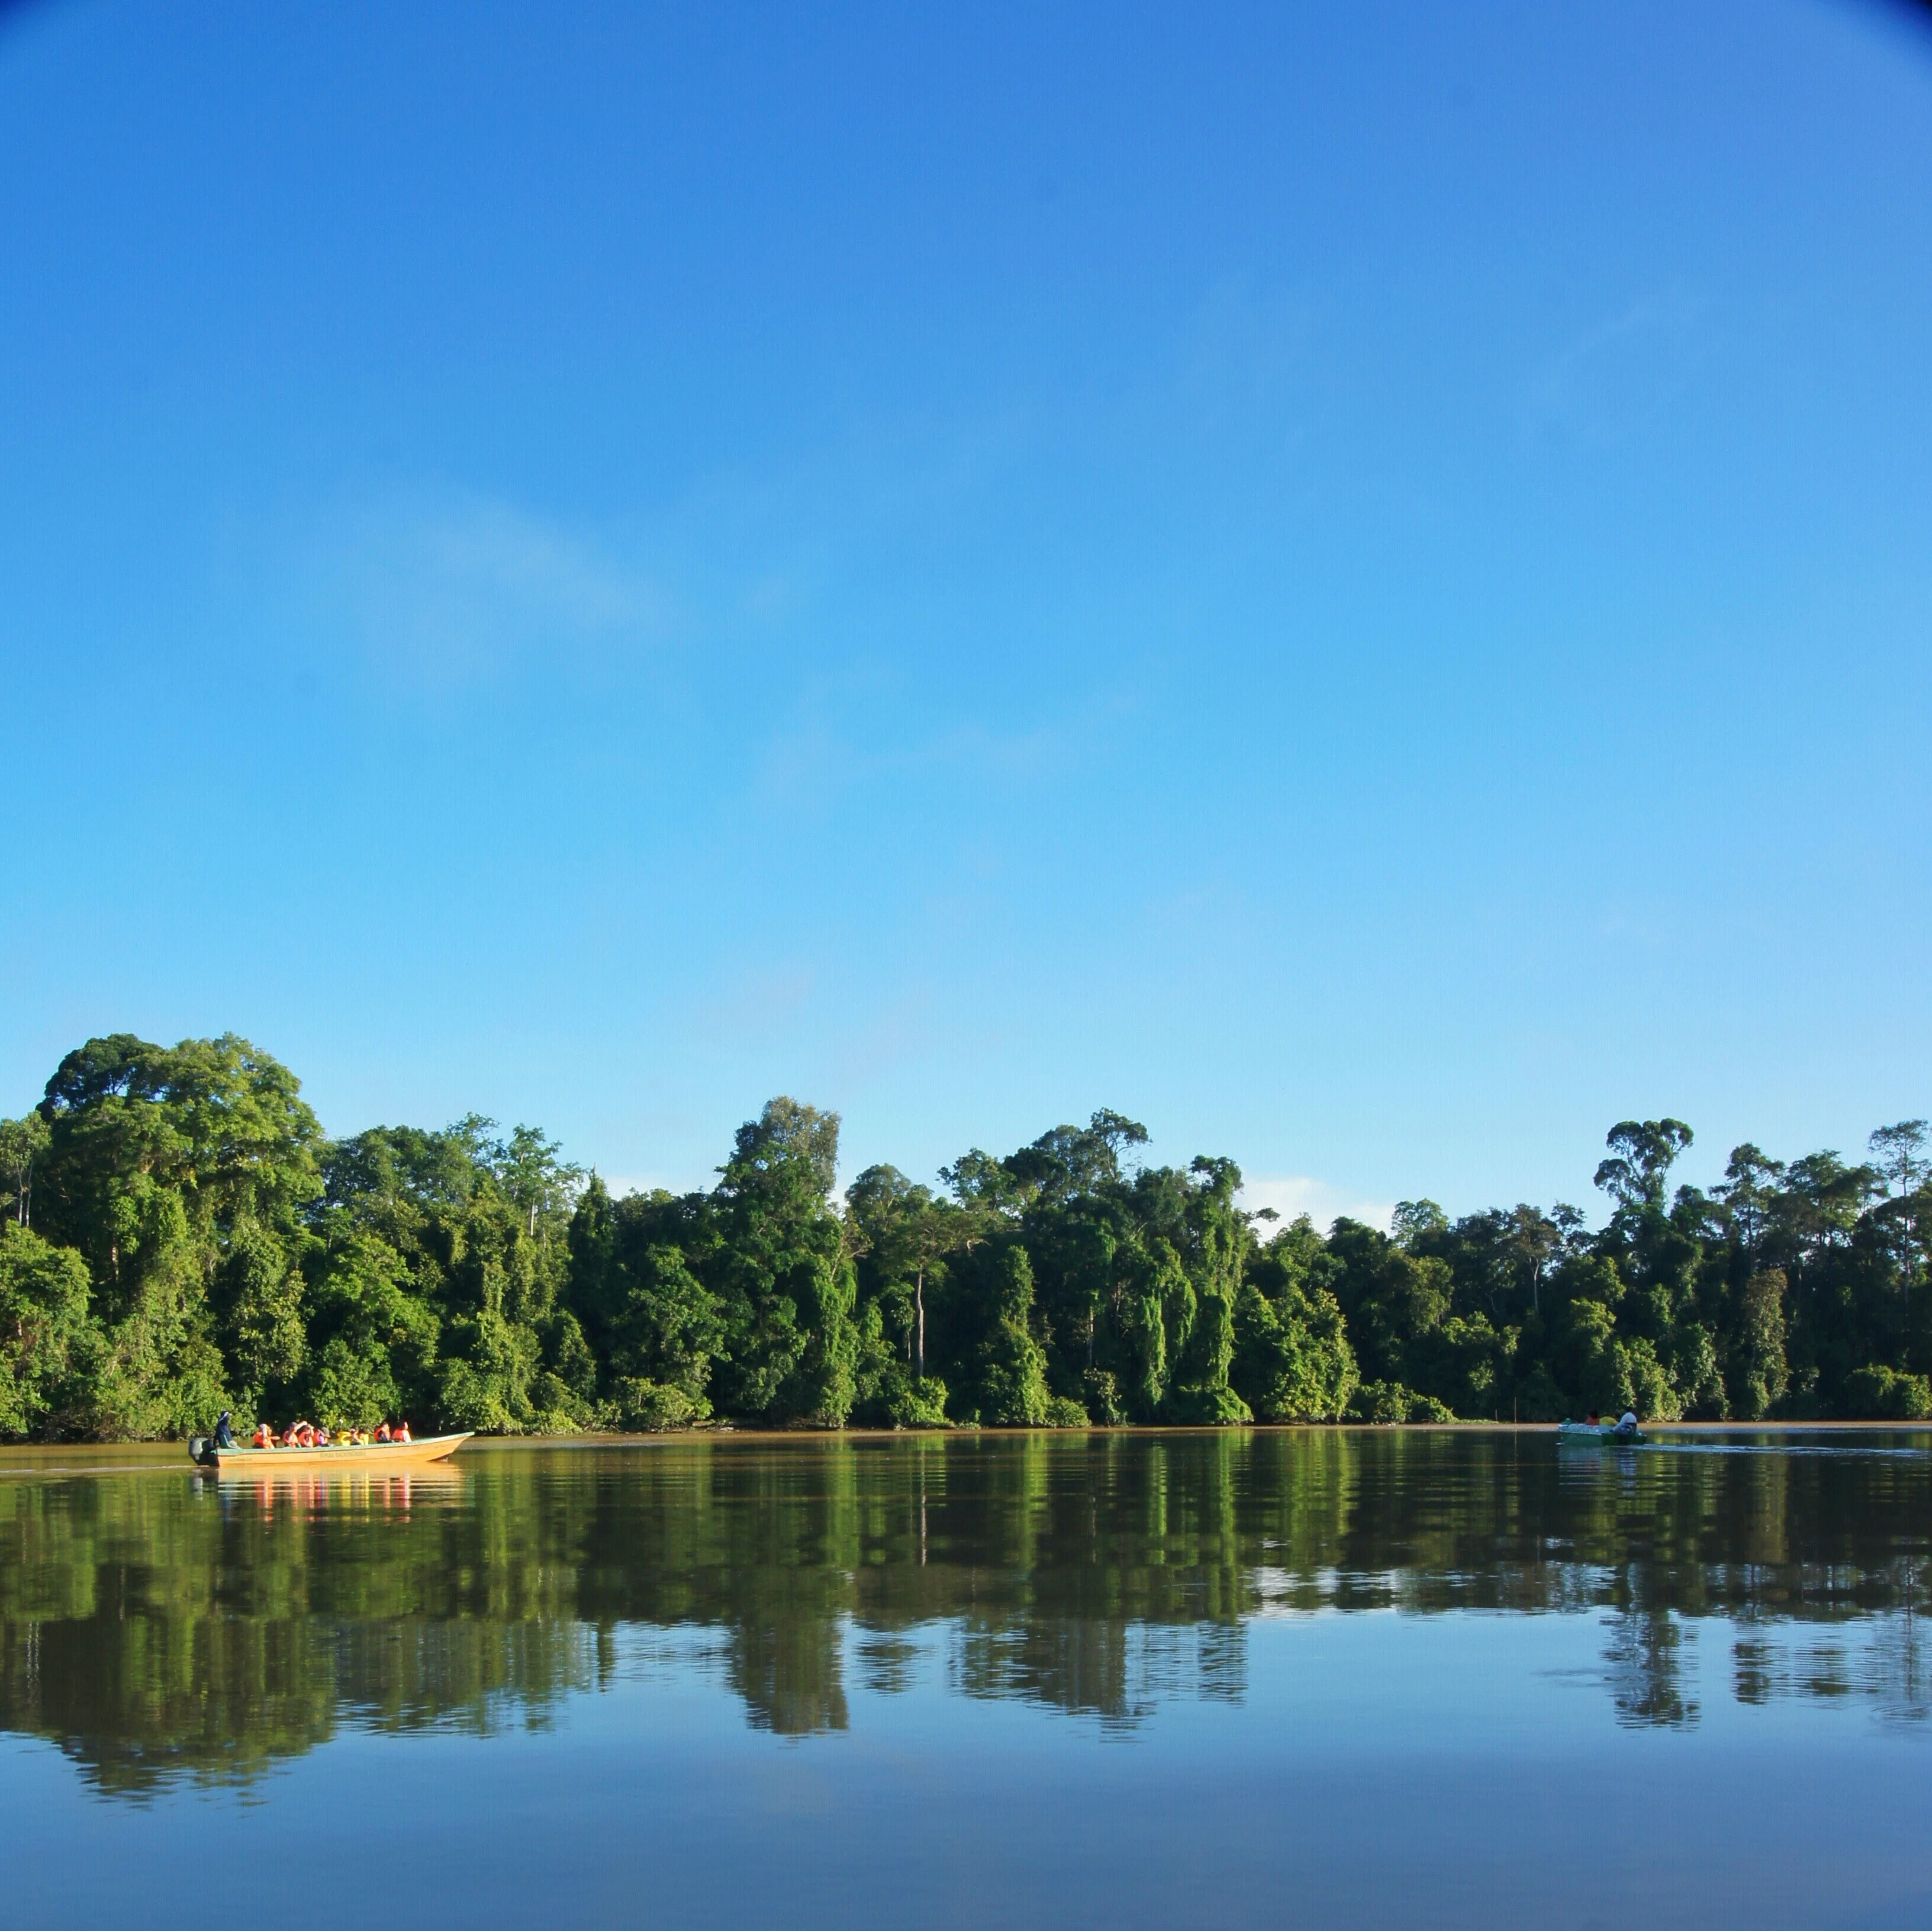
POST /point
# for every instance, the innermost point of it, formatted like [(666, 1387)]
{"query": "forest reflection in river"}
[(157, 1625)]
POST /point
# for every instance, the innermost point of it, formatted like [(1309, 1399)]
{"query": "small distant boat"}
[(345, 1459), (1593, 1432)]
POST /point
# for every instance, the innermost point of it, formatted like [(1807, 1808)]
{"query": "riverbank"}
[(127, 1457)]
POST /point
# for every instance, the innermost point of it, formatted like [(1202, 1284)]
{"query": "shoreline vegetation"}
[(179, 1236)]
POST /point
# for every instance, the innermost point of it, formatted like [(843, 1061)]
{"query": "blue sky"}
[(1352, 581)]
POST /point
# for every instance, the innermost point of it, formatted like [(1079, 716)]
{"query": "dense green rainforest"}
[(180, 1237)]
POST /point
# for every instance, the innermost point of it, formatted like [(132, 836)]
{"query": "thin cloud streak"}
[(1293, 1195)]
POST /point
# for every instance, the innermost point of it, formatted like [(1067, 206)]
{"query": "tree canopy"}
[(178, 1236)]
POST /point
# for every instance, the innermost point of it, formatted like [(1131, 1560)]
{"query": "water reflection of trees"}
[(1644, 1671), (155, 1625), (1889, 1666)]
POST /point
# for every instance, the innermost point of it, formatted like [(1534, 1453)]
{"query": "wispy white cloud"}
[(819, 756), (1323, 1203), (449, 591), (1622, 370)]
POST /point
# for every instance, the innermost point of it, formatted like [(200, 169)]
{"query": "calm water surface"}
[(1333, 1677)]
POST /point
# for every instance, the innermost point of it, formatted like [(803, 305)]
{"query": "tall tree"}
[(23, 1144), (783, 1270), (530, 1172), (1900, 1156), (905, 1231), (1638, 1169)]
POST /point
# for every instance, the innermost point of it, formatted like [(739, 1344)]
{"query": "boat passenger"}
[(224, 1435), (264, 1436), (382, 1433), (321, 1436), (400, 1433)]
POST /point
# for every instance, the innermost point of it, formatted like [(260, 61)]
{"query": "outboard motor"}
[(201, 1451)]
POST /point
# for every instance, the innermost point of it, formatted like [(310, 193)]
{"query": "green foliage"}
[(177, 1237), (351, 1385), (266, 1337), (365, 1306), (1003, 1378), (670, 1326), (1103, 1401), (920, 1403), (48, 1346), (1641, 1152), (23, 1145), (653, 1406), (1292, 1360), (218, 1125), (1879, 1394), (782, 1272), (1388, 1401)]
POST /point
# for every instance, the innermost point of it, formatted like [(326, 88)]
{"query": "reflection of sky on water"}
[(1361, 1678), (158, 1625)]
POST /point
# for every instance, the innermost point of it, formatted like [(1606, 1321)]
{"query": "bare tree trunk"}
[(918, 1303)]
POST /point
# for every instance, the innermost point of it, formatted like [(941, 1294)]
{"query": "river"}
[(1341, 1677)]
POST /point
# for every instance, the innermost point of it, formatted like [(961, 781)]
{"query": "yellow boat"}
[(345, 1459)]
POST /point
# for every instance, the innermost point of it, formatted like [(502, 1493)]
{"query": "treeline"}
[(181, 1237)]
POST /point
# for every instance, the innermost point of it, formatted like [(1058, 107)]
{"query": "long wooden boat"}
[(345, 1459)]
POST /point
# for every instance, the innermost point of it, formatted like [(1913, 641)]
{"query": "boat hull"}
[(340, 1460), (1582, 1432)]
